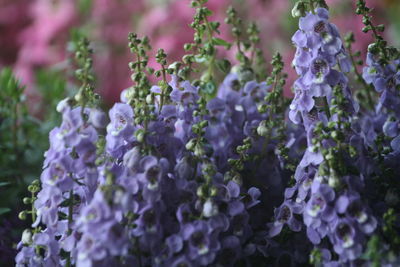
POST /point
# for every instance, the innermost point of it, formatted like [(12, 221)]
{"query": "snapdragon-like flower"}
[(386, 80), (102, 237), (120, 129), (320, 92), (68, 181), (319, 50)]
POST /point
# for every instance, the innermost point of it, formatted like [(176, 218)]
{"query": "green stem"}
[(15, 141), (210, 69), (33, 208), (163, 89), (312, 6), (360, 79)]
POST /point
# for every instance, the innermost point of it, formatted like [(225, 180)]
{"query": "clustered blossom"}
[(386, 80), (170, 207), (331, 206), (69, 172), (176, 177)]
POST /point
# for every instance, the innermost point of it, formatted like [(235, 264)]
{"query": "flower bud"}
[(209, 209), (214, 191), (262, 130), (190, 145), (79, 96), (26, 237), (62, 105), (299, 9), (333, 179), (22, 215), (199, 150)]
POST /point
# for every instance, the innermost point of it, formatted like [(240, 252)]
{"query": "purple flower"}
[(183, 92), (46, 205), (98, 118), (27, 257), (131, 159), (318, 205), (202, 243), (152, 171), (120, 129), (345, 240), (58, 173), (318, 33), (352, 206), (285, 215)]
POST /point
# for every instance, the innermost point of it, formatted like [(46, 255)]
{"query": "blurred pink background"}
[(34, 34)]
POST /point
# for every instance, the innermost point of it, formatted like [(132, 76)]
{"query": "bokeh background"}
[(35, 42), (34, 34)]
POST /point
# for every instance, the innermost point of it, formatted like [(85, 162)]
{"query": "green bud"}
[(187, 59), (380, 28), (22, 215), (315, 257), (78, 73), (213, 191), (99, 161), (203, 124), (33, 188), (187, 46), (352, 151), (366, 29), (329, 156), (190, 145), (140, 136), (149, 99), (333, 180), (262, 108), (237, 178), (27, 200), (299, 9), (199, 150), (201, 191), (79, 97), (332, 124), (262, 130)]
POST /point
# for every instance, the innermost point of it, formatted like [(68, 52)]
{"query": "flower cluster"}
[(188, 173), (328, 193)]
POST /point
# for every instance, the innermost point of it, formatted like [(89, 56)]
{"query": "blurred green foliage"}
[(24, 138)]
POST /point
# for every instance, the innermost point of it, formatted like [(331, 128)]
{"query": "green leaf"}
[(10, 88), (4, 210), (224, 65), (221, 42), (200, 59), (4, 183)]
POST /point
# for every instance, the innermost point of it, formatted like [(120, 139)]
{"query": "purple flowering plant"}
[(213, 166)]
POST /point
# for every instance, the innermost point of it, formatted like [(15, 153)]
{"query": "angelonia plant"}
[(213, 166)]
